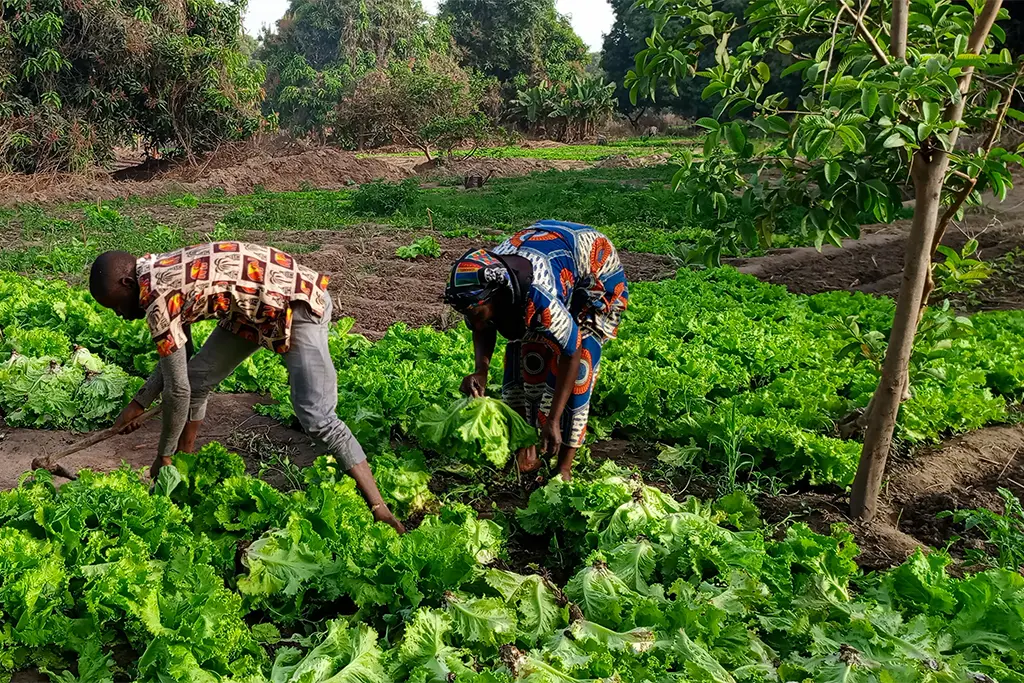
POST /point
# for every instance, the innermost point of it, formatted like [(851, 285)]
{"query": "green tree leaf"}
[(832, 171), (736, 137), (869, 100)]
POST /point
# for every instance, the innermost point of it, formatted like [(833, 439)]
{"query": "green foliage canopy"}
[(76, 79), (842, 147), (512, 39)]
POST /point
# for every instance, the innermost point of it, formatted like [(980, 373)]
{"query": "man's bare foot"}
[(566, 475), (187, 440), (527, 460)]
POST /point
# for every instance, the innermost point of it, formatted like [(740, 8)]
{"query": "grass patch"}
[(632, 147), (636, 208)]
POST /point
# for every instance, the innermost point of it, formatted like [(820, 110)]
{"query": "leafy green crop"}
[(424, 246), (715, 358), (37, 342), (55, 306), (1002, 532), (482, 431), (186, 582), (81, 394)]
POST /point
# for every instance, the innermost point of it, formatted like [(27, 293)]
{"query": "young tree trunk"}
[(928, 172), (900, 14)]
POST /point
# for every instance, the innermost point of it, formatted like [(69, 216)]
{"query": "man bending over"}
[(262, 297)]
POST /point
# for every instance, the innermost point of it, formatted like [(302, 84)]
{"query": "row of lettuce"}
[(214, 576), (713, 359)]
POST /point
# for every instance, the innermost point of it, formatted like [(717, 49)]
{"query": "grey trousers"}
[(312, 379)]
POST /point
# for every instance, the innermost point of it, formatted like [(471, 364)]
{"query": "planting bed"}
[(695, 544)]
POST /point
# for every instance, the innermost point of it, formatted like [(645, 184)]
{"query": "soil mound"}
[(278, 164)]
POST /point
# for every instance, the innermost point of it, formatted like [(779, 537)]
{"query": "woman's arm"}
[(568, 371), (483, 350)]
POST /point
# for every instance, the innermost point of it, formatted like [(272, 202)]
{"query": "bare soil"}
[(874, 263), (241, 169), (230, 419)]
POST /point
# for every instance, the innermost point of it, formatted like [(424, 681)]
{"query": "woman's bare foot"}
[(565, 460)]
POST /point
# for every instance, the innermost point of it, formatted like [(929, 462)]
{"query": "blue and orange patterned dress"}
[(577, 298)]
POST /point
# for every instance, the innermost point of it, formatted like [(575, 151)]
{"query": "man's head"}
[(114, 284)]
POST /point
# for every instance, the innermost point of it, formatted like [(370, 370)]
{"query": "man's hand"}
[(551, 436), (126, 422), (474, 385), (383, 514), (158, 464)]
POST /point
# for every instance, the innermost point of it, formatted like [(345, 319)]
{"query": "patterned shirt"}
[(248, 288), (577, 280)]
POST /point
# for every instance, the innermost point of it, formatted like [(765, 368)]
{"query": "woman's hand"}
[(474, 385), (551, 436), (526, 459)]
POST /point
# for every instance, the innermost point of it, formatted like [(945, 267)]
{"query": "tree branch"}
[(968, 188), (865, 33), (831, 50), (954, 113), (975, 44)]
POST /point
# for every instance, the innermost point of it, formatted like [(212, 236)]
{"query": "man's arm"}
[(367, 486), (151, 389), (177, 394), (148, 393)]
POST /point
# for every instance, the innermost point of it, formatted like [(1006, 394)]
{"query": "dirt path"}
[(230, 420), (274, 170)]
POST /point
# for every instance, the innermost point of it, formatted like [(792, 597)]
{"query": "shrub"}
[(382, 198)]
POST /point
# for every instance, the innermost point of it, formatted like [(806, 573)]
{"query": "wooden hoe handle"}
[(51, 462)]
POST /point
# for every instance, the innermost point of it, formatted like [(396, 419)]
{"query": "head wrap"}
[(475, 278)]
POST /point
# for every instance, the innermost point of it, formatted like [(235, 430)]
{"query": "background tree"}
[(511, 38), (886, 94), (330, 32), (77, 79), (628, 36), (569, 112), (426, 103), (322, 48)]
